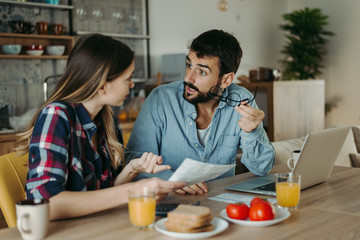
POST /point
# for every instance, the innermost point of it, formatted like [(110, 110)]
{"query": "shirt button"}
[(191, 123), (194, 115), (196, 145)]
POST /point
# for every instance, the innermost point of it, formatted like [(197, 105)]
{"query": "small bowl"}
[(34, 50), (34, 47), (11, 49), (55, 50)]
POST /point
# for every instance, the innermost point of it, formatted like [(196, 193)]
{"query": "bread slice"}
[(189, 219), (189, 223), (184, 229), (189, 212)]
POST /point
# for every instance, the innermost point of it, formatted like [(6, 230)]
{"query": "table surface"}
[(330, 210)]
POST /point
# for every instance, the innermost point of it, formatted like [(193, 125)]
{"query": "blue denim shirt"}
[(166, 126)]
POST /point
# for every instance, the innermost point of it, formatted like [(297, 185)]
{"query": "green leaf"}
[(305, 44)]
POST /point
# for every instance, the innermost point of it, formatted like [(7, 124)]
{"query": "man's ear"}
[(227, 79)]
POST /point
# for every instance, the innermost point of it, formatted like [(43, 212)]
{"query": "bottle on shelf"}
[(123, 115), (135, 104)]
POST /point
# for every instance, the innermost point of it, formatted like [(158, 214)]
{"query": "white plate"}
[(280, 215), (219, 226)]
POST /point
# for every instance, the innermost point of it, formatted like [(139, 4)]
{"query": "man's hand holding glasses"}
[(251, 118)]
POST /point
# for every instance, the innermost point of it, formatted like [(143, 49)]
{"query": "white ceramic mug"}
[(292, 161), (32, 218)]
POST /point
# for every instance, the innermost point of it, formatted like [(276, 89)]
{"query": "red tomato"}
[(238, 211), (257, 200), (262, 211)]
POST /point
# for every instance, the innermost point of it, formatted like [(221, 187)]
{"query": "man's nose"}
[(190, 76)]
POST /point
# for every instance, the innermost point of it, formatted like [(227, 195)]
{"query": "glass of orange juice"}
[(142, 205), (288, 190)]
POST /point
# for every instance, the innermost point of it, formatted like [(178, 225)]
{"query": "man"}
[(203, 117)]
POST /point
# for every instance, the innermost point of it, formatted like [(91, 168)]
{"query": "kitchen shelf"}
[(39, 5), (117, 35), (30, 39), (23, 56)]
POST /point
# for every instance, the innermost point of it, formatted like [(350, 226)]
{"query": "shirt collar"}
[(85, 119)]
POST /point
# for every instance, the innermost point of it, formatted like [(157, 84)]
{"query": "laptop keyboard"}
[(267, 187)]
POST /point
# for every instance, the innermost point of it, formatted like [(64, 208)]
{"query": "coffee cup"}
[(42, 27), (29, 28), (53, 2), (58, 29), (21, 26), (292, 161), (32, 218)]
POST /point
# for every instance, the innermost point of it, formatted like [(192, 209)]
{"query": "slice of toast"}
[(189, 212), (182, 229), (189, 223)]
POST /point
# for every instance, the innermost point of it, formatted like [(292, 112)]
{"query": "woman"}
[(75, 146)]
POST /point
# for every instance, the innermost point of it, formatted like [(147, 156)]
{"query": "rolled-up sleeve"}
[(48, 154), (258, 153)]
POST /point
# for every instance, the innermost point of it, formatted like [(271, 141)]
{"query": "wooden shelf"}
[(21, 56), (117, 35), (30, 39), (38, 5)]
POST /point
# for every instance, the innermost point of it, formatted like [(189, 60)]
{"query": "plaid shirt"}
[(62, 156)]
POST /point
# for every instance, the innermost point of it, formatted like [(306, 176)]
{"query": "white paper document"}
[(191, 171), (235, 197)]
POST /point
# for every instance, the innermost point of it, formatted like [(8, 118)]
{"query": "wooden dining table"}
[(330, 210)]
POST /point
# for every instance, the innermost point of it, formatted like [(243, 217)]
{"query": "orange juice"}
[(142, 211), (288, 194)]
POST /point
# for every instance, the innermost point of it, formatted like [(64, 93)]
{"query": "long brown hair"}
[(94, 60)]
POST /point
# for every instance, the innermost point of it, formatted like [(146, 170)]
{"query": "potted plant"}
[(305, 43)]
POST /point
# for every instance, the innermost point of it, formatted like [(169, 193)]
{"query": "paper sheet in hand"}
[(191, 171)]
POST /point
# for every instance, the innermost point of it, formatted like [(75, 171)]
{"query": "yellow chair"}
[(13, 170)]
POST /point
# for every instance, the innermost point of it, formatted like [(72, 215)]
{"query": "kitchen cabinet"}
[(41, 6), (292, 108), (8, 142), (46, 39), (124, 20)]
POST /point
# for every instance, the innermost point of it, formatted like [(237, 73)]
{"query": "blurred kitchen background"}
[(159, 29)]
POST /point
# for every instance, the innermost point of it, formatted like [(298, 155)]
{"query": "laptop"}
[(316, 161)]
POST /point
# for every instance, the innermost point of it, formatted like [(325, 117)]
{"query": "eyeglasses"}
[(233, 99)]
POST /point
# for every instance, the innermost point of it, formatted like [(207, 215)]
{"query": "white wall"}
[(174, 23), (342, 62)]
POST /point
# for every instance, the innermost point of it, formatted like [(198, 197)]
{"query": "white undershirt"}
[(203, 135)]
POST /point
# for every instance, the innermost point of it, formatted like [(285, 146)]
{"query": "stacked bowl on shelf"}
[(34, 50), (55, 50), (11, 49)]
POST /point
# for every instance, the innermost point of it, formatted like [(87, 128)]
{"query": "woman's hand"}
[(161, 187), (199, 188), (149, 163)]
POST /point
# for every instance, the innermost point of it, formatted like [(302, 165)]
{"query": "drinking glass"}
[(288, 190), (142, 205)]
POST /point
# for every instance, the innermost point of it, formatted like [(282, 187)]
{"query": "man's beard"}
[(199, 98)]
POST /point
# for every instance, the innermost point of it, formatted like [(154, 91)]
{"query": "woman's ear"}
[(102, 90), (227, 79)]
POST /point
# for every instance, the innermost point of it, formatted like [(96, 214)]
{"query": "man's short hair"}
[(217, 43)]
